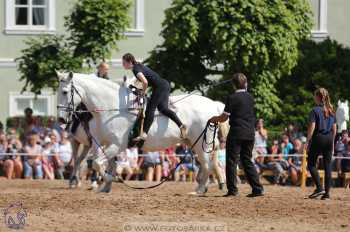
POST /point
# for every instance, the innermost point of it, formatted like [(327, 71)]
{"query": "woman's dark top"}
[(153, 79), (323, 125)]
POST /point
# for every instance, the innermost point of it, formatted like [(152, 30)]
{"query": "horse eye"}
[(64, 92)]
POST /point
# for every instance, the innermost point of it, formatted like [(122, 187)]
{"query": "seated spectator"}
[(345, 163), (10, 165), (152, 166), (15, 164), (123, 166), (133, 156), (47, 159), (286, 146), (340, 149), (33, 161), (54, 127), (186, 158), (294, 162), (64, 158), (275, 163)]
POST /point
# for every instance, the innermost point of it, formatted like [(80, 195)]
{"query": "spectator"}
[(33, 162), (152, 166), (47, 159), (294, 162), (133, 156), (54, 127), (102, 70), (64, 159), (260, 138), (14, 147), (166, 164), (123, 166), (286, 146), (6, 163), (345, 163), (275, 163), (186, 157)]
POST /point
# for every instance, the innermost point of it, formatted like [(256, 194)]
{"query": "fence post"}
[(303, 170)]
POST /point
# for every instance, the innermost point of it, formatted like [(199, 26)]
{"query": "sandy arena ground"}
[(51, 206)]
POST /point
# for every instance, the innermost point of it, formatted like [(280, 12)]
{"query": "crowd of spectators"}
[(32, 151), (35, 151)]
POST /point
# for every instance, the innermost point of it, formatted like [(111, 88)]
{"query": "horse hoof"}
[(93, 186), (74, 183), (198, 194), (106, 188)]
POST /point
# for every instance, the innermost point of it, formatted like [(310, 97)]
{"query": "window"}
[(138, 17), (319, 8), (41, 105), (30, 16)]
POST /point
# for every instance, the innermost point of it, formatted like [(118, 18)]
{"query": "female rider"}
[(159, 98)]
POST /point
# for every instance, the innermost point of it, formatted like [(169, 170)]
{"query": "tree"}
[(259, 38), (94, 28), (325, 64)]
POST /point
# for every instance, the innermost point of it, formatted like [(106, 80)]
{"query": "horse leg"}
[(74, 180), (203, 174), (110, 174)]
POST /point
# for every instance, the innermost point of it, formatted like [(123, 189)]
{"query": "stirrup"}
[(140, 138)]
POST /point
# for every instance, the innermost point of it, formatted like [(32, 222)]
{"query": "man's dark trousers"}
[(239, 149)]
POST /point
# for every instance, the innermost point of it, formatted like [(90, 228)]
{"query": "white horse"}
[(109, 103), (342, 115)]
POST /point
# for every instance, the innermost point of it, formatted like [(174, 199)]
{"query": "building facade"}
[(21, 19)]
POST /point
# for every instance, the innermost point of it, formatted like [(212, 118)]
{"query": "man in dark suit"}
[(239, 109)]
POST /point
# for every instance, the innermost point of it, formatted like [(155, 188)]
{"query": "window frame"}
[(12, 28), (139, 29), (321, 32), (13, 96)]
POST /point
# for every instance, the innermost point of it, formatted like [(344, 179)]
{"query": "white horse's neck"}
[(98, 93)]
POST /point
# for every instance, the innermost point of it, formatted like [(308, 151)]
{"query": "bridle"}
[(71, 106)]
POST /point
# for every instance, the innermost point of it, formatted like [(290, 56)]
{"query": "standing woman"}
[(159, 98), (320, 139)]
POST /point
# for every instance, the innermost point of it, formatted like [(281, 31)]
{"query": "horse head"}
[(342, 112), (68, 96)]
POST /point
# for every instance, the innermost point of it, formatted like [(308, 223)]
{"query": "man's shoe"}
[(325, 196), (231, 194), (256, 194), (316, 193), (183, 132)]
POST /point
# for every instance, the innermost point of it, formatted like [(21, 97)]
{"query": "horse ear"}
[(60, 75), (70, 76), (346, 102), (339, 102)]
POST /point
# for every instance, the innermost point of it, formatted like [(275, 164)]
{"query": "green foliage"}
[(325, 64), (94, 28), (257, 37), (41, 58)]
